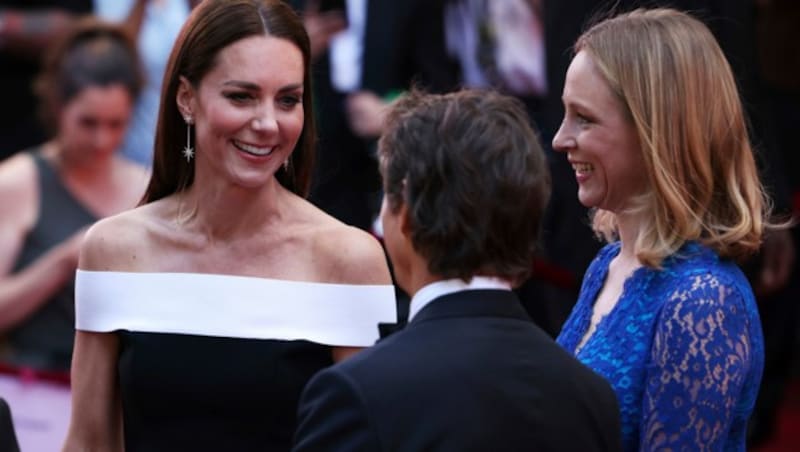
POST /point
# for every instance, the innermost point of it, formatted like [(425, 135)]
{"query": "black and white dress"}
[(218, 362)]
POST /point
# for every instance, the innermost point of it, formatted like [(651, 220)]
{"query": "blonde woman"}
[(654, 129)]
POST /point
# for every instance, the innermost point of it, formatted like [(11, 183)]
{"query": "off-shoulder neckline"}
[(219, 276)]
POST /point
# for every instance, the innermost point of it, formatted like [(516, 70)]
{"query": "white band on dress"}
[(232, 306)]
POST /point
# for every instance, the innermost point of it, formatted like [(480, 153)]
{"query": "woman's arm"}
[(96, 422), (25, 291), (701, 354)]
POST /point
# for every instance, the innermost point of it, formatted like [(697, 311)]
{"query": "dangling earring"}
[(188, 151), (286, 164)]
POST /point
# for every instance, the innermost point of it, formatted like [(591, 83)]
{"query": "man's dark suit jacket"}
[(471, 372)]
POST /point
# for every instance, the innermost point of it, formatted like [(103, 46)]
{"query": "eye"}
[(582, 120), (88, 122), (117, 124), (239, 96), (289, 101)]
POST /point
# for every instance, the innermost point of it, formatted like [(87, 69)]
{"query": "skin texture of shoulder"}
[(345, 255), (116, 243), (136, 240), (349, 255)]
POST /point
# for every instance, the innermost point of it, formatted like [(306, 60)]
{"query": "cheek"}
[(118, 135), (626, 178), (292, 125), (72, 131), (632, 168), (222, 120)]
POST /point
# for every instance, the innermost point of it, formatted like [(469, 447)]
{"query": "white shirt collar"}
[(437, 289)]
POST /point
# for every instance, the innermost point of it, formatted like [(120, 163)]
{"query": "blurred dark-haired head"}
[(91, 54), (470, 172)]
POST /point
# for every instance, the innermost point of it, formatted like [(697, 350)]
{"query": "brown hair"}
[(90, 53), (212, 26), (474, 178), (672, 77)]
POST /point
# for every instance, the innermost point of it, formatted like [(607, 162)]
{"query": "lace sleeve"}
[(700, 357)]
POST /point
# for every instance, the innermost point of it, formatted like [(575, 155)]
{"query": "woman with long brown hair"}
[(202, 313)]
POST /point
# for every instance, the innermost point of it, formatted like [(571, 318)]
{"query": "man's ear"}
[(185, 98), (405, 220)]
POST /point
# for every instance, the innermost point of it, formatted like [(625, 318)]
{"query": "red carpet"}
[(787, 433)]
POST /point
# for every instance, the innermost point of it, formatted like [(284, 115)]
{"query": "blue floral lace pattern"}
[(682, 348)]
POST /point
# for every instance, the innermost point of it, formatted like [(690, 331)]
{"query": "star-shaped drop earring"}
[(188, 150)]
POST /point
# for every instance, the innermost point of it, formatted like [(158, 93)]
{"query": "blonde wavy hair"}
[(673, 79)]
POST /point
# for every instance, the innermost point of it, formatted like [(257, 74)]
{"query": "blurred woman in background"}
[(51, 193)]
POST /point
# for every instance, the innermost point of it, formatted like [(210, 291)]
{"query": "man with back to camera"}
[(465, 183)]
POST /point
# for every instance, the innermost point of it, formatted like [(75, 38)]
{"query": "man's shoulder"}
[(387, 352), (456, 345)]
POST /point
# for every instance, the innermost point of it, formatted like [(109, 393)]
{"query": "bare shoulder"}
[(17, 179), (118, 242), (349, 255), (19, 167), (19, 205)]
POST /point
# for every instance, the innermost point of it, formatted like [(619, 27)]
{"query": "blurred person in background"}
[(50, 193), (155, 25), (379, 49), (27, 29)]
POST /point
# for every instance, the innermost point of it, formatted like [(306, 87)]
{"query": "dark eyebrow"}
[(292, 87), (254, 87), (242, 84)]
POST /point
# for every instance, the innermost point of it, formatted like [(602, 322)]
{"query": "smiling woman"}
[(600, 140), (202, 313), (248, 116), (50, 194), (655, 131)]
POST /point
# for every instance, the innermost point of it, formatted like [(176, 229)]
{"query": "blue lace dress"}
[(682, 348)]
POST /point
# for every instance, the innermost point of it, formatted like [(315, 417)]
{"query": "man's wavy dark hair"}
[(472, 173)]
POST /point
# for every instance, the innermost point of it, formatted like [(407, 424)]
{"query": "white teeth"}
[(253, 149), (582, 167)]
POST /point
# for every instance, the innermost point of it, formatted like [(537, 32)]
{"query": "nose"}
[(264, 120), (563, 141), (104, 139)]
